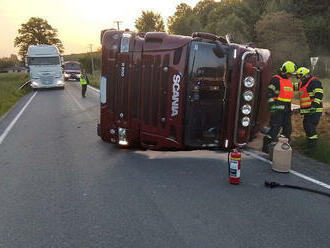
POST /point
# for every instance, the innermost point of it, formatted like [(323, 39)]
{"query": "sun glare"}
[(79, 22)]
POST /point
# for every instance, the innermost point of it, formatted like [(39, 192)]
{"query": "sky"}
[(79, 22)]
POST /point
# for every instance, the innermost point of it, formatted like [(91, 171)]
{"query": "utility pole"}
[(118, 24), (91, 50)]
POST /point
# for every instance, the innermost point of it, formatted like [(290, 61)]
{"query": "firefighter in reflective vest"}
[(280, 94), (310, 94), (83, 81)]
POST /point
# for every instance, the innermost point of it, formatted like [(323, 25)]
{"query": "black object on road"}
[(275, 184)]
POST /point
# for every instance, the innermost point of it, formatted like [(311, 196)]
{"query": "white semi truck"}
[(44, 63)]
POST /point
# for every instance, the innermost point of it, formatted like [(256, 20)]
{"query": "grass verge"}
[(94, 79), (326, 89), (9, 90), (321, 152)]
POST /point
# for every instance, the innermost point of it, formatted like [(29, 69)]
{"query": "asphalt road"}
[(61, 186)]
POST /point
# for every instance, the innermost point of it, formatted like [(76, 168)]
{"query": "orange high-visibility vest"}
[(286, 90), (305, 99)]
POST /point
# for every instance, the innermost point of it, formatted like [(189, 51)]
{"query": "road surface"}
[(61, 186)]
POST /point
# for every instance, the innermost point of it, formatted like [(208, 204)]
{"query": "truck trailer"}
[(161, 91), (44, 63)]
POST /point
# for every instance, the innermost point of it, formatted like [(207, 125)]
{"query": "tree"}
[(184, 21), (235, 26), (150, 22), (9, 62), (284, 35), (234, 17), (257, 5), (36, 31), (315, 16), (86, 62), (202, 10)]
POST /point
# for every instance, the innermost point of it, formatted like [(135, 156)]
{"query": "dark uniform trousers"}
[(280, 119), (310, 123), (83, 89)]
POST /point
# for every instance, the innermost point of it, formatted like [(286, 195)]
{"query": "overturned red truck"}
[(161, 91)]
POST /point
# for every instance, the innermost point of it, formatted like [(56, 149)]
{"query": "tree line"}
[(291, 29)]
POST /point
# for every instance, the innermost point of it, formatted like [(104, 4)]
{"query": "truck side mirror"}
[(218, 50), (26, 63), (62, 60)]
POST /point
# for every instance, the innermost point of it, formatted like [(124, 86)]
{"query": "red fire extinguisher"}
[(234, 166)]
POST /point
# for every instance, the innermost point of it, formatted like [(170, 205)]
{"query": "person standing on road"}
[(84, 81), (280, 94), (310, 94)]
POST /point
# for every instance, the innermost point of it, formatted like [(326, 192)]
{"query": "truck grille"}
[(155, 81), (46, 79)]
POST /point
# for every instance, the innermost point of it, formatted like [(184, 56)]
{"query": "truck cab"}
[(44, 63), (71, 70), (161, 91)]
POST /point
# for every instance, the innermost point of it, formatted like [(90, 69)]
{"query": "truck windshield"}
[(43, 60), (204, 64), (206, 88), (71, 66)]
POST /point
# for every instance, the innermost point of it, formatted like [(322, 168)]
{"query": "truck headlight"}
[(122, 136), (249, 82), (245, 121), (246, 109), (248, 95), (34, 84)]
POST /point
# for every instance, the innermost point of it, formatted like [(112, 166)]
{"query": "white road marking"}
[(82, 108), (75, 100), (291, 171), (310, 179), (92, 88), (11, 125), (257, 156)]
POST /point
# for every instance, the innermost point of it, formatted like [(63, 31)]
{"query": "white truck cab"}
[(44, 63)]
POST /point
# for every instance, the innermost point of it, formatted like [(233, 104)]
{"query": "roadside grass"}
[(326, 89), (322, 151), (9, 89), (94, 79)]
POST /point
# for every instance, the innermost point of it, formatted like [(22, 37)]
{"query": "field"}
[(9, 92)]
